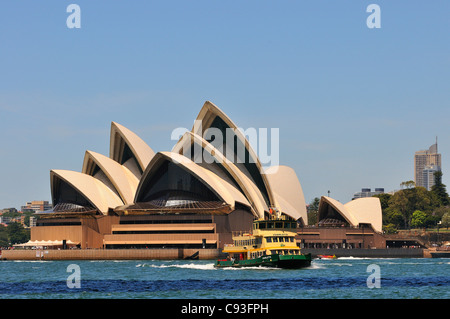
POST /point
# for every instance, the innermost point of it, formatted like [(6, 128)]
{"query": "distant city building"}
[(428, 175), (426, 163), (8, 210), (5, 220), (367, 192), (37, 206)]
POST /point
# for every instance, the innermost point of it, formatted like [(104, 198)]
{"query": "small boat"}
[(327, 256), (270, 244)]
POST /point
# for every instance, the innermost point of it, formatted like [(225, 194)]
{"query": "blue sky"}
[(353, 104)]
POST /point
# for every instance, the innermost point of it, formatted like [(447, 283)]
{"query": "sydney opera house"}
[(191, 197)]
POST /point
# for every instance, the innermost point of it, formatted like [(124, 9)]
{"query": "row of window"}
[(280, 239), (286, 252), (248, 242), (274, 225), (257, 241)]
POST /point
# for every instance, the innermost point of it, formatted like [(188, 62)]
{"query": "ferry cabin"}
[(268, 237)]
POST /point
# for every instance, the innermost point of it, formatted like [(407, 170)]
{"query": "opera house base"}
[(109, 254), (368, 253), (203, 254)]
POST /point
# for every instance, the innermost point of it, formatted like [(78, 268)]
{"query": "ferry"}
[(271, 243)]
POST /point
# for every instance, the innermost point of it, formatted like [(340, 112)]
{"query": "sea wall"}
[(107, 254), (206, 254), (368, 253)]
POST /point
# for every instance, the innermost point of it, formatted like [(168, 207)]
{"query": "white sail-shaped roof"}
[(288, 192), (235, 174), (92, 190), (367, 211), (211, 116), (117, 177), (122, 140), (224, 190), (207, 154), (356, 212)]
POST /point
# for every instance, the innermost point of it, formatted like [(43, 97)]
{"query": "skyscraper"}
[(425, 164)]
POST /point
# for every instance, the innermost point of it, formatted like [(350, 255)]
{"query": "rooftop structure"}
[(354, 213), (194, 195), (356, 224), (367, 192)]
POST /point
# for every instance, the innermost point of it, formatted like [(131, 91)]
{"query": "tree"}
[(439, 189), (407, 201), (390, 229), (445, 221), (419, 219), (393, 217), (408, 184), (4, 241), (17, 234), (313, 210), (384, 200)]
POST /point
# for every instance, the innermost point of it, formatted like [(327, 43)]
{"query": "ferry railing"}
[(236, 233)]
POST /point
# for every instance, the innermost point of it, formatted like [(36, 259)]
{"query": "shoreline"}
[(201, 254)]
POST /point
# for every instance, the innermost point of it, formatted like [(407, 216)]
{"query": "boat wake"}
[(180, 266), (202, 267)]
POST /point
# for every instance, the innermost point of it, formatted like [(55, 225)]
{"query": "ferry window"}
[(291, 239), (275, 239), (281, 239), (278, 225), (269, 239), (262, 225), (270, 225)]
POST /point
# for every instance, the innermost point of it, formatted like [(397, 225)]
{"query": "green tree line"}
[(12, 234), (416, 207)]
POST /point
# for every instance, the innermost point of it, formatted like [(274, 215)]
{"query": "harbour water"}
[(342, 278)]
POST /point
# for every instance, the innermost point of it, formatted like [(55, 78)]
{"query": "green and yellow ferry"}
[(270, 244)]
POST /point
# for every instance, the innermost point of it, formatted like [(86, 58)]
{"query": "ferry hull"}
[(274, 261)]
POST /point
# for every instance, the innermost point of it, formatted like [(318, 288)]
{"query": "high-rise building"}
[(425, 164), (367, 192)]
